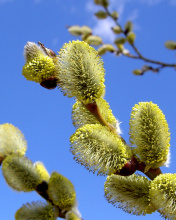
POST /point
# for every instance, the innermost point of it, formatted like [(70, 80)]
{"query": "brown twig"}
[(41, 189), (151, 173), (139, 55), (94, 109)]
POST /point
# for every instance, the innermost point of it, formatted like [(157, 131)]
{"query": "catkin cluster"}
[(23, 175), (97, 143)]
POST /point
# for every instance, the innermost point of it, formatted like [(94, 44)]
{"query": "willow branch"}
[(133, 165), (139, 55), (41, 189), (94, 110)]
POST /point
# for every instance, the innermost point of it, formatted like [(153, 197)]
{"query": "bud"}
[(128, 27), (137, 72), (94, 40), (101, 50), (171, 45), (84, 37), (163, 196), (97, 2), (50, 52), (120, 40), (117, 29), (146, 68), (101, 14), (12, 141), (115, 15), (121, 49), (106, 47), (131, 38), (104, 3), (149, 133), (20, 173), (99, 149), (61, 191), (75, 30), (129, 193), (109, 47), (74, 58), (86, 30), (36, 211)]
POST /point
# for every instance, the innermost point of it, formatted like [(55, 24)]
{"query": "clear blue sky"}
[(45, 116)]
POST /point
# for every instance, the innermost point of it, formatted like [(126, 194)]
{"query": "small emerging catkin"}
[(20, 173), (32, 50), (149, 132), (99, 149), (163, 195), (42, 170), (39, 66), (81, 72), (131, 193), (36, 211), (72, 216)]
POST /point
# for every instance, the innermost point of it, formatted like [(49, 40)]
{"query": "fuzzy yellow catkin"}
[(39, 69), (99, 149), (61, 191), (72, 216), (149, 133), (129, 193), (81, 72), (81, 115), (36, 211), (38, 65), (20, 174), (42, 170), (163, 195), (11, 140)]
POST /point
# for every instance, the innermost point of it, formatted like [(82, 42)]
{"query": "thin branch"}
[(151, 173), (139, 55), (94, 110)]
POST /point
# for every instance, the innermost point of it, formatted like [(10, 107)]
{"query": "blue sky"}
[(45, 116)]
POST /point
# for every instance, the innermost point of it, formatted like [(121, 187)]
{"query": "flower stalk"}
[(93, 108)]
